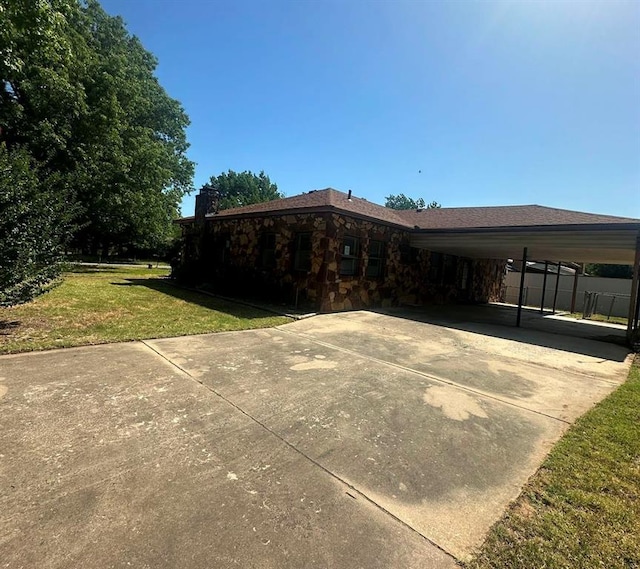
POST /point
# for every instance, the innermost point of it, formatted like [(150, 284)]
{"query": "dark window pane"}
[(302, 256), (435, 268), (348, 267), (268, 251), (374, 268), (450, 269), (221, 246), (375, 264)]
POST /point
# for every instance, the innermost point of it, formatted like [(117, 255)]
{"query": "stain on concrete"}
[(123, 458), (478, 370), (313, 364), (414, 441), (99, 474), (454, 403), (532, 376)]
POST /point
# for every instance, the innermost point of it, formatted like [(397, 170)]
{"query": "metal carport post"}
[(555, 293), (544, 286), (521, 293)]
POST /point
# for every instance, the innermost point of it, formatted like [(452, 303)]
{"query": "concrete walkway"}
[(344, 440)]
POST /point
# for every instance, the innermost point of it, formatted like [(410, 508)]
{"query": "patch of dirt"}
[(524, 509)]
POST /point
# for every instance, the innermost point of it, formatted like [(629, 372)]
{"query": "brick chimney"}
[(207, 201)]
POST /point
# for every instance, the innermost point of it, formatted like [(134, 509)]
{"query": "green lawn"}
[(581, 510), (95, 306)]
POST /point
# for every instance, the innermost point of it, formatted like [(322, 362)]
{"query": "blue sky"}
[(465, 103)]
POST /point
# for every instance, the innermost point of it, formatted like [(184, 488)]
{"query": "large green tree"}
[(33, 223), (236, 189), (79, 94), (401, 201)]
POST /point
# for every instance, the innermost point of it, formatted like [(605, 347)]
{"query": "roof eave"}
[(309, 210)]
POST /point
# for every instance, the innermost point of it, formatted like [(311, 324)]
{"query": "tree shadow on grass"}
[(165, 286), (93, 270), (7, 325), (112, 269)]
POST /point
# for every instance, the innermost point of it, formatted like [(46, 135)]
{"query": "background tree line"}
[(401, 201), (92, 149)]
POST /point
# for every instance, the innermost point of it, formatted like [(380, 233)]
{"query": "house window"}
[(221, 246), (350, 255), (450, 270), (376, 259), (408, 254), (302, 254), (443, 269), (268, 251), (435, 268)]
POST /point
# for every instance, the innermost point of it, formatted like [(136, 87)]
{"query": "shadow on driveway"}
[(498, 321)]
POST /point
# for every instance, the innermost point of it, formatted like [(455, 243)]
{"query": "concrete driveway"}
[(345, 440)]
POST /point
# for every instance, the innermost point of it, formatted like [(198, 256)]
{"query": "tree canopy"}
[(403, 202), (85, 123), (611, 271), (79, 94), (236, 189)]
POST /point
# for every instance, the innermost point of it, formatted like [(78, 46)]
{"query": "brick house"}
[(330, 251)]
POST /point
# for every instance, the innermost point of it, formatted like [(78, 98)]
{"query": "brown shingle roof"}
[(436, 219), (316, 200), (505, 216)]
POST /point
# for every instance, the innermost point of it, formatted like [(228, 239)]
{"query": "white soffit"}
[(593, 245)]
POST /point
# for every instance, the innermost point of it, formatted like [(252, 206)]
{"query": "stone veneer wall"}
[(242, 271), (404, 280)]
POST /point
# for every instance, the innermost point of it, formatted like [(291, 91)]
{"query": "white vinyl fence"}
[(595, 294)]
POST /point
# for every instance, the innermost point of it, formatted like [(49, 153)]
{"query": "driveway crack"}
[(351, 488), (423, 374)]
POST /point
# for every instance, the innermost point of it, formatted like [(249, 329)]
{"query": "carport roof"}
[(548, 233), (580, 244)]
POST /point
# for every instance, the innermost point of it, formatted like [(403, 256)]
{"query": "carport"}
[(535, 233)]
